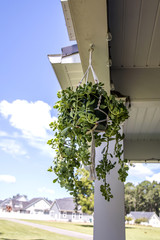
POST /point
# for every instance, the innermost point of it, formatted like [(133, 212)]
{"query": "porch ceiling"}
[(135, 28), (135, 71)]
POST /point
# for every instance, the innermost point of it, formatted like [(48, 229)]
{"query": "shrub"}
[(128, 218), (139, 220)]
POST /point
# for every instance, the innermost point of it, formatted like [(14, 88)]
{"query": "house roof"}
[(5, 202), (19, 205), (35, 200), (17, 197), (66, 51), (65, 204), (137, 215)]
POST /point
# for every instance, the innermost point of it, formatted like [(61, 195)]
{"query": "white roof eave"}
[(68, 69), (89, 21)]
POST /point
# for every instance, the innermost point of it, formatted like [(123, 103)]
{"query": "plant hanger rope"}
[(90, 67), (96, 80)]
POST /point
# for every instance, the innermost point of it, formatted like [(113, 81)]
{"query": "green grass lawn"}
[(134, 232), (86, 228), (15, 231), (142, 233)]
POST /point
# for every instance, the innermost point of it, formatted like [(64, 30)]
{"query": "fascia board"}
[(68, 19)]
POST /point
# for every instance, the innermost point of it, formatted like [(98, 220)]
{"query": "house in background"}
[(14, 204), (64, 210), (37, 206), (17, 206), (153, 219), (6, 205), (20, 205), (0, 205), (21, 198)]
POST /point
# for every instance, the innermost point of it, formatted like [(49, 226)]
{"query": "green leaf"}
[(71, 113), (50, 169), (64, 132), (103, 106), (55, 180)]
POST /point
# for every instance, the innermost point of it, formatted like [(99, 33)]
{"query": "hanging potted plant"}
[(87, 118)]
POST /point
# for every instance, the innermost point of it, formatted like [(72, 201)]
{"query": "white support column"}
[(109, 219)]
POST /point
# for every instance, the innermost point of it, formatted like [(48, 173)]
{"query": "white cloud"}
[(32, 119), (154, 166), (43, 146), (12, 147), (7, 179), (155, 177), (140, 169), (3, 134), (46, 190), (139, 173)]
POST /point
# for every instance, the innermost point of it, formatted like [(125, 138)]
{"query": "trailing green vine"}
[(83, 114)]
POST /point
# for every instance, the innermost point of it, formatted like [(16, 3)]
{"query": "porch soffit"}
[(135, 71)]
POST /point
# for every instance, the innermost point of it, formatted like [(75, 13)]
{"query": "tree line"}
[(143, 197)]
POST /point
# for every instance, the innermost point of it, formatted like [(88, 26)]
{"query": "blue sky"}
[(30, 30)]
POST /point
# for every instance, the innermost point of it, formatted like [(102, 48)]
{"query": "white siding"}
[(38, 207), (154, 221)]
